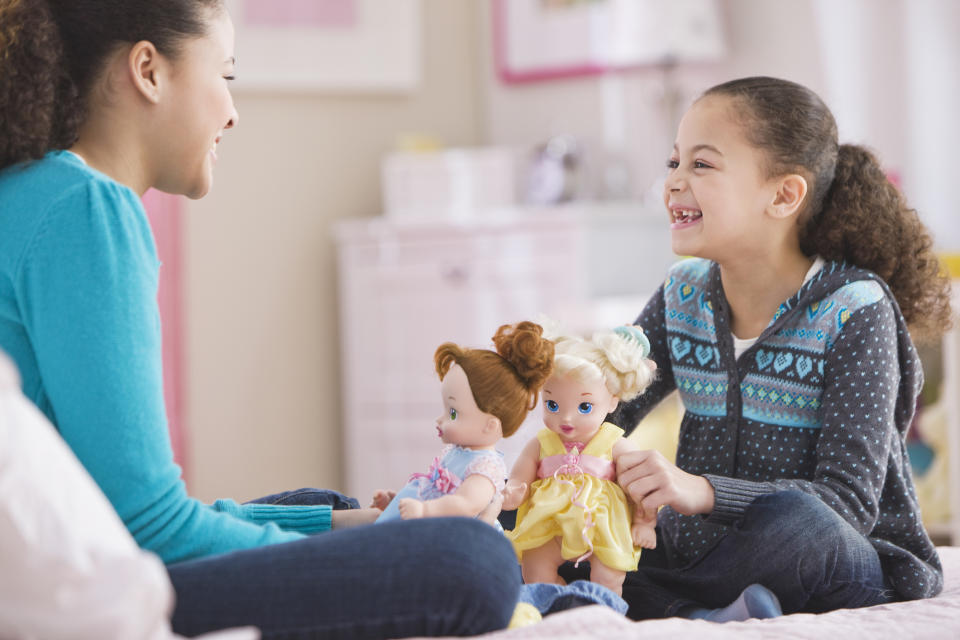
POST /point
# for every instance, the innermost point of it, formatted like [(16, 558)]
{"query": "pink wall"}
[(164, 212)]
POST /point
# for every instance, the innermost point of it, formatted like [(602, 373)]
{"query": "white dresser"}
[(408, 286)]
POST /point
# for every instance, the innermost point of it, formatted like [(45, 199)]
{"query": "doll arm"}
[(643, 528), (471, 497), (522, 475)]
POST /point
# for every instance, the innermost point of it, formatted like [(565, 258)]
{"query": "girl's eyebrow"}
[(700, 147)]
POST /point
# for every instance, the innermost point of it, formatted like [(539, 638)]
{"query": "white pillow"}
[(68, 566)]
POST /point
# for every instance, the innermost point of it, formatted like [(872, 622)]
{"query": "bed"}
[(933, 618)]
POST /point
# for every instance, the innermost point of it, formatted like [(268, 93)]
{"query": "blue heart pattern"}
[(680, 348), (704, 354), (686, 291), (764, 358), (783, 359)]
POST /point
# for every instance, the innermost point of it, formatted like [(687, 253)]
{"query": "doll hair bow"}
[(633, 333)]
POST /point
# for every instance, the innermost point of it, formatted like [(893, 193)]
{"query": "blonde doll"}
[(564, 480), (486, 395)]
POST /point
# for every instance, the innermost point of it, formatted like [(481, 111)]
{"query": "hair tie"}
[(633, 333)]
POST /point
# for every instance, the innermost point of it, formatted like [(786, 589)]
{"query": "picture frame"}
[(537, 40), (327, 45)]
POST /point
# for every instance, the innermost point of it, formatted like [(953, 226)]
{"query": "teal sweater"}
[(79, 316)]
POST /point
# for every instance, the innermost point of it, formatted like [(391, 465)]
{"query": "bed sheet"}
[(932, 618)]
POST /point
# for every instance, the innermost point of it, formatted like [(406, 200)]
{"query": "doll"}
[(564, 480), (486, 395)]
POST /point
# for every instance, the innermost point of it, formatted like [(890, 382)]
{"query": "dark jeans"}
[(435, 576), (790, 542)]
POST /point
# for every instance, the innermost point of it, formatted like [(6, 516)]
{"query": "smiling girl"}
[(788, 336), (101, 100)]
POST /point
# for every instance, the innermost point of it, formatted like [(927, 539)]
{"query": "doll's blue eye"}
[(453, 414), (552, 406), (585, 408)]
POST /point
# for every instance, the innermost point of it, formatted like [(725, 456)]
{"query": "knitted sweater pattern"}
[(820, 404)]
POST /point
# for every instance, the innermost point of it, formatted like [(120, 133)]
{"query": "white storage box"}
[(455, 183)]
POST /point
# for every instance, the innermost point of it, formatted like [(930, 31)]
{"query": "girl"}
[(571, 506), (787, 338), (486, 395), (99, 101)]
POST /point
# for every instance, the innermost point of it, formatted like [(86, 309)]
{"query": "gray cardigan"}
[(820, 404)]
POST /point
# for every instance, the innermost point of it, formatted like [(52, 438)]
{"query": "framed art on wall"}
[(547, 39), (327, 45)]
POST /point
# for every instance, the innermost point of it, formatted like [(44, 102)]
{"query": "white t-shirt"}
[(742, 344)]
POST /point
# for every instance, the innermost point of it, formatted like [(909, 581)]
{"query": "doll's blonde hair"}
[(618, 357), (504, 383)]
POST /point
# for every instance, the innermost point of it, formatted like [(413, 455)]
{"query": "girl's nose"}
[(674, 181), (234, 118)]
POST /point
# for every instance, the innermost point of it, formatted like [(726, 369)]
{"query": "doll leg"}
[(608, 577), (540, 564)]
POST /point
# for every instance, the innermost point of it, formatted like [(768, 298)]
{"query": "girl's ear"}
[(790, 195), (145, 67), (493, 425)]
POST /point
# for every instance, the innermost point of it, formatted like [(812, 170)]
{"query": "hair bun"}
[(524, 347)]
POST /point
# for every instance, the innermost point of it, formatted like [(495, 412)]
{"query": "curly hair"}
[(504, 383), (853, 212), (52, 52)]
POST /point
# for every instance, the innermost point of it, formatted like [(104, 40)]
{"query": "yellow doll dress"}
[(568, 482)]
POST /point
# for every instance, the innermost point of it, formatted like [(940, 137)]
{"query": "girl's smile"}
[(683, 217)]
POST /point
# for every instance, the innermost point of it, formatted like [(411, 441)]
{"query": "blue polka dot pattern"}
[(820, 403)]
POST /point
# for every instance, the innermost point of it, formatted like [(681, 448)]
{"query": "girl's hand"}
[(651, 481), (382, 498), (343, 518), (410, 509)]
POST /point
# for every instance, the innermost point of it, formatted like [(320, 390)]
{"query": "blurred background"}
[(407, 172)]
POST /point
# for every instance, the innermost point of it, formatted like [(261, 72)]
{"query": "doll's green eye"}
[(585, 408), (453, 414), (552, 406)]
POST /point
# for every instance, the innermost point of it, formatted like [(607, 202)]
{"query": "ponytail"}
[(39, 108), (865, 221)]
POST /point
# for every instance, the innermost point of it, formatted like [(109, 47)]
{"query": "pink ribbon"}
[(445, 481), (571, 466)]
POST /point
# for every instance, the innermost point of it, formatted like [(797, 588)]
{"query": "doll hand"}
[(514, 494), (644, 536), (651, 481), (343, 518), (382, 498), (644, 530), (410, 509)]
